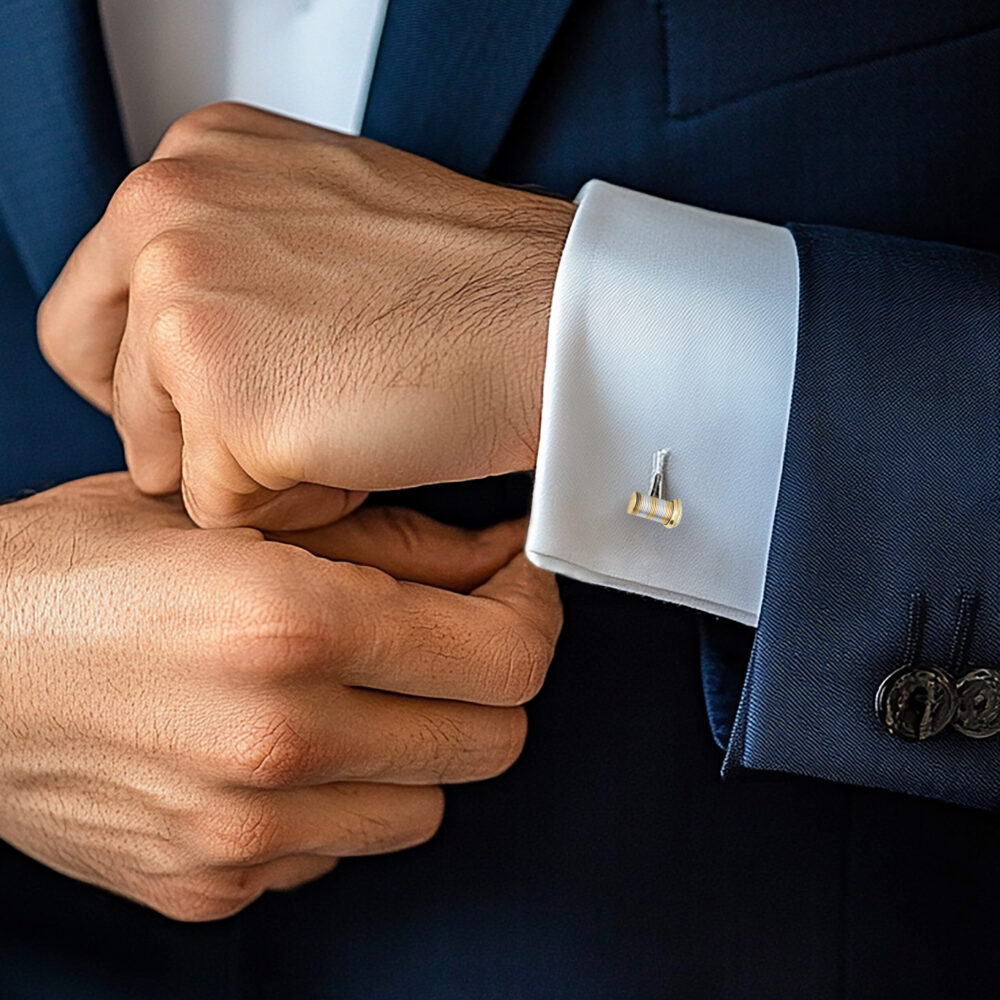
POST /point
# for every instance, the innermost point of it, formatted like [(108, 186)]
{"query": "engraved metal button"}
[(978, 711), (916, 703)]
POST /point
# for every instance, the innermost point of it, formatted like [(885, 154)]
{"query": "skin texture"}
[(192, 717), (271, 309)]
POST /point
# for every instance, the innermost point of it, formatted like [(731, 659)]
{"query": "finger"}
[(81, 319), (425, 741), (146, 419), (322, 733), (491, 647), (410, 546), (160, 426), (329, 822), (294, 871), (166, 450), (346, 820), (193, 133)]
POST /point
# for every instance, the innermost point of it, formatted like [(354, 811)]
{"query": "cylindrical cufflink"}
[(654, 506), (667, 512)]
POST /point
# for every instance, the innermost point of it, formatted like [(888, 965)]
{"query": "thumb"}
[(410, 546)]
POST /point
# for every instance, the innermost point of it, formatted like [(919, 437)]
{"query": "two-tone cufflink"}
[(654, 505)]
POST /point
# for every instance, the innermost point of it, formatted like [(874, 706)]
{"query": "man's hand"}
[(190, 718), (267, 304)]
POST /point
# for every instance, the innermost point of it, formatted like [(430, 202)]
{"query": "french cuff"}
[(671, 328)]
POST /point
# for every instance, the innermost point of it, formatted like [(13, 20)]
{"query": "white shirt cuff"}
[(671, 328)]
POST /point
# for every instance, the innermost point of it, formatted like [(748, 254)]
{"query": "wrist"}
[(539, 237)]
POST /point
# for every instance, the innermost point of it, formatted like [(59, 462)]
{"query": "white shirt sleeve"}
[(671, 328)]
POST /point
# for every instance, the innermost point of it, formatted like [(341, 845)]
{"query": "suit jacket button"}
[(916, 703), (978, 711)]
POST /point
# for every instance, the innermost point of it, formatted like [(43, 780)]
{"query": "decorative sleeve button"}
[(978, 711), (916, 703)]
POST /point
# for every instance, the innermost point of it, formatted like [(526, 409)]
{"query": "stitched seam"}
[(794, 81), (962, 633), (914, 630)]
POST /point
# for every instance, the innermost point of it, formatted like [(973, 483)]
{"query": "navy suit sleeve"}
[(888, 502)]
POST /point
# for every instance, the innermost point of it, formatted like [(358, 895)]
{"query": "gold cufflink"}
[(654, 506)]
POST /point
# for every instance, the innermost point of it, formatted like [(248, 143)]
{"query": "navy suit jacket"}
[(612, 860)]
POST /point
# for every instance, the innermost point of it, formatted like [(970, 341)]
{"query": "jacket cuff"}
[(888, 503)]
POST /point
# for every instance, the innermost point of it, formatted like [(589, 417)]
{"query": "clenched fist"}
[(191, 717), (268, 305)]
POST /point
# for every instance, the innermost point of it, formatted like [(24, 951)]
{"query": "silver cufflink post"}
[(654, 505)]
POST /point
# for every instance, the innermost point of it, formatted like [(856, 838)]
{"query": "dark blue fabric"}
[(48, 434), (723, 52), (891, 487), (904, 144), (611, 861), (469, 89), (725, 652), (61, 157), (61, 148)]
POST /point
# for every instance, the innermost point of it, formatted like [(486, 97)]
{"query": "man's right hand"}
[(191, 717), (270, 309)]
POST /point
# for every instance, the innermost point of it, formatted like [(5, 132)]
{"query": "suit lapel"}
[(450, 74), (61, 149), (448, 80)]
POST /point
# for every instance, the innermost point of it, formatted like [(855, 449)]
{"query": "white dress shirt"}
[(308, 59), (671, 327)]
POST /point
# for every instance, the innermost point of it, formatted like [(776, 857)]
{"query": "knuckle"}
[(518, 664), (177, 338), (186, 134), (356, 578), (270, 753), (350, 156), (198, 131), (242, 833), (217, 115), (510, 745), (155, 187), (180, 135), (280, 652), (269, 635), (372, 833), (170, 261)]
